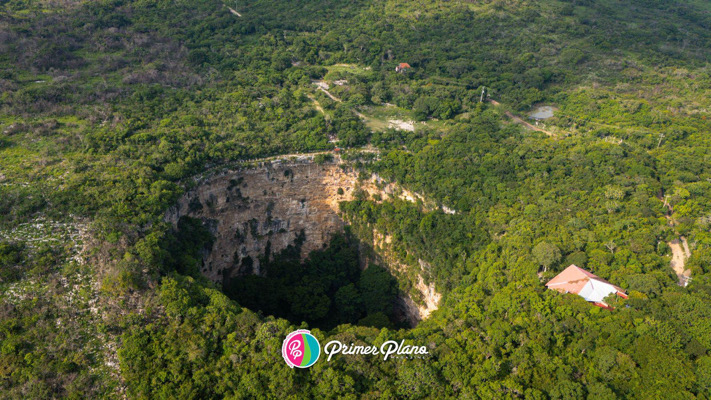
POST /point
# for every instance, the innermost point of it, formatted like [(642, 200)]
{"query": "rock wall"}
[(256, 212), (427, 295)]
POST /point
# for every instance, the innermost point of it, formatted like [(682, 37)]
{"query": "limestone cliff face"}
[(426, 294), (256, 212), (260, 211)]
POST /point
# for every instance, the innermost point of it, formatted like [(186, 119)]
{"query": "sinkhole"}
[(271, 237)]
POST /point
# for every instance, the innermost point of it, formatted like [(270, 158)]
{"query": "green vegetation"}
[(327, 289), (109, 108)]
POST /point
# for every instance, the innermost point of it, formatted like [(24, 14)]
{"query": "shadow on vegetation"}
[(326, 289)]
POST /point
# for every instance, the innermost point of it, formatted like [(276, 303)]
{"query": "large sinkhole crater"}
[(279, 245)]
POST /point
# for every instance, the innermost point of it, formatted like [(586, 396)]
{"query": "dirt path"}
[(233, 11), (518, 120), (364, 149), (336, 99), (317, 105), (686, 247)]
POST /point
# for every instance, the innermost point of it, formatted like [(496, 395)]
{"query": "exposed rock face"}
[(680, 253), (254, 213), (257, 212), (427, 295)]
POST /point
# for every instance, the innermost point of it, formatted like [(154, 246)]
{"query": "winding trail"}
[(320, 86), (317, 105)]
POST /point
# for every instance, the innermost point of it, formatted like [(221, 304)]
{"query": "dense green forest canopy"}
[(109, 108), (326, 290)]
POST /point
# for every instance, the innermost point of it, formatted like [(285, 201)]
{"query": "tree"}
[(378, 289), (547, 254), (703, 373), (348, 303)]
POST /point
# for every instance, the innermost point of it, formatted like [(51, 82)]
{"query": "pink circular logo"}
[(300, 349)]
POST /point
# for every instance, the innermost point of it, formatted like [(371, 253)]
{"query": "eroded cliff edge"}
[(255, 212)]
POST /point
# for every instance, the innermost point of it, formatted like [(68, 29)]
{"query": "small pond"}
[(542, 112)]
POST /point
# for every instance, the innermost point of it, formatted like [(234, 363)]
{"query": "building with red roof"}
[(402, 67), (585, 284)]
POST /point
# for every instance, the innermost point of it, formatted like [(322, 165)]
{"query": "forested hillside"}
[(111, 110)]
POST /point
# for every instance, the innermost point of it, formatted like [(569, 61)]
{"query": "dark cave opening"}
[(326, 289)]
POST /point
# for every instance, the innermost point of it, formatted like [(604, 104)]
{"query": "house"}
[(403, 67), (585, 284)]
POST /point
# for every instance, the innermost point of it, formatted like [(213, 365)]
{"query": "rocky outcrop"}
[(680, 253), (257, 212)]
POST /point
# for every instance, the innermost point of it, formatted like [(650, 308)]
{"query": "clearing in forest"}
[(520, 121)]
